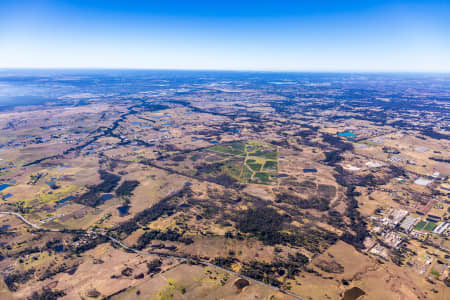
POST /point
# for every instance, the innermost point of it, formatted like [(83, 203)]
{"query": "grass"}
[(270, 165), (430, 226), (255, 167), (267, 154), (435, 273), (420, 225), (234, 148), (262, 177), (233, 169), (246, 174)]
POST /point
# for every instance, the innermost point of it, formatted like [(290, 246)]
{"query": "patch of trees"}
[(224, 262), (47, 294), (435, 135), (346, 178), (358, 225), (332, 157), (265, 224), (127, 187), (319, 203), (440, 159), (224, 179), (12, 280), (281, 143), (92, 196), (150, 214), (390, 150), (304, 133), (261, 221), (169, 235), (330, 266), (261, 271), (154, 266), (154, 107), (52, 272), (27, 251), (335, 219), (336, 142), (268, 273)]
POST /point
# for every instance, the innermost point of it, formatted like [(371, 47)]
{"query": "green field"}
[(255, 167), (430, 226), (260, 163), (234, 148), (420, 225), (270, 165)]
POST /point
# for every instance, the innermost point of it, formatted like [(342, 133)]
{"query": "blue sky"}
[(237, 35)]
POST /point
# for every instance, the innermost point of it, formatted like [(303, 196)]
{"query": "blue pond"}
[(214, 142), (7, 196), (136, 123), (4, 227), (106, 197), (164, 130), (51, 183), (347, 134), (123, 210), (4, 186), (65, 200), (310, 170), (58, 248)]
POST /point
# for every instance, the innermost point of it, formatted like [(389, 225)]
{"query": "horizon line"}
[(227, 70)]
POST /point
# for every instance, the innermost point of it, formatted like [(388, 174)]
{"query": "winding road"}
[(128, 248)]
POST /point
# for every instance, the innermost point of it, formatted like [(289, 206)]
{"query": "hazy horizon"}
[(282, 36)]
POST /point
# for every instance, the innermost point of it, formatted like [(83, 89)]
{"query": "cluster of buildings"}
[(394, 226)]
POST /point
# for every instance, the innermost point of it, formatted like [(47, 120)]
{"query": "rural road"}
[(116, 241)]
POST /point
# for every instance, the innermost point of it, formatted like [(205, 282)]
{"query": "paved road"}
[(183, 259)]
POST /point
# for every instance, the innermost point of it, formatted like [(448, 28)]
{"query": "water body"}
[(58, 248), (164, 130), (7, 196), (51, 183), (4, 186), (123, 210), (214, 142), (347, 134), (106, 197), (65, 200), (309, 170), (353, 293), (4, 227)]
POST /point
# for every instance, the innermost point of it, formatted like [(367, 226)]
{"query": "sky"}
[(411, 36)]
